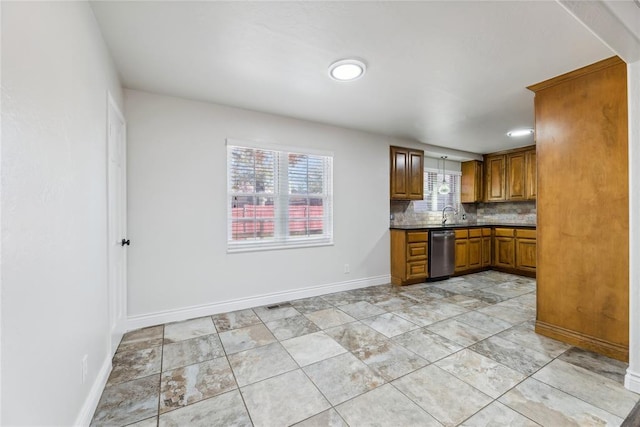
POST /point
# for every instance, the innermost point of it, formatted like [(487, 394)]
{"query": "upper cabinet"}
[(407, 174), (511, 176), (471, 182)]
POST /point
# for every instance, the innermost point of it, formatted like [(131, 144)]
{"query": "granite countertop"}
[(453, 226)]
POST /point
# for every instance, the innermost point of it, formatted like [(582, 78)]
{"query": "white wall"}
[(55, 75), (177, 211)]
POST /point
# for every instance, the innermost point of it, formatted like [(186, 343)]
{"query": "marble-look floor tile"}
[(189, 384), (257, 364), (246, 338), (524, 335), (362, 309), (180, 331), (496, 415), (129, 365), (481, 372), (234, 320), (592, 388), (549, 406), (397, 302), (482, 321), (384, 406), (356, 336), (467, 302), (312, 348), (512, 316), (283, 400), (527, 300), (342, 377), (291, 327), (487, 297), (426, 314), (390, 360), (223, 410), (594, 362), (510, 289), (329, 318), (309, 305), (459, 332), (269, 314), (439, 393), (128, 402), (188, 352), (149, 422), (427, 344), (389, 324), (340, 298), (328, 418), (142, 338), (515, 356), (515, 304)]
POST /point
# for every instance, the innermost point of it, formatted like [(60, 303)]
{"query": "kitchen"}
[(178, 236)]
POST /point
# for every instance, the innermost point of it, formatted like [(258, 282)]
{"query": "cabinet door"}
[(486, 251), (526, 254), (471, 188), (399, 173), (462, 255), (494, 181), (475, 252), (416, 175), (417, 270), (516, 172), (531, 183), (504, 252)]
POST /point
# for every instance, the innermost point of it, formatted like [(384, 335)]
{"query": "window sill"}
[(278, 246)]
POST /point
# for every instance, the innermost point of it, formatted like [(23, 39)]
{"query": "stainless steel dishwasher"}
[(442, 254)]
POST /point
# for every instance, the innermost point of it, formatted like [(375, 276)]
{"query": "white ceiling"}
[(450, 73)]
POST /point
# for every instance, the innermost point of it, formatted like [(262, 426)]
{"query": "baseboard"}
[(158, 318), (632, 381), (91, 402), (613, 350)]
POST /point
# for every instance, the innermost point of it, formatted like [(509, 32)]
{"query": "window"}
[(278, 197), (434, 201)]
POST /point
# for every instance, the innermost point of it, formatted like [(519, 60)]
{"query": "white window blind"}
[(434, 201), (278, 198)]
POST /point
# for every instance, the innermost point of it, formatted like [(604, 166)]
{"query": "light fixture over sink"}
[(347, 70), (444, 186)]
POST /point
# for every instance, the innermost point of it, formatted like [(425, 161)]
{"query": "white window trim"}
[(281, 241)]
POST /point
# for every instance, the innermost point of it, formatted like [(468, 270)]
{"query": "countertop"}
[(454, 226)]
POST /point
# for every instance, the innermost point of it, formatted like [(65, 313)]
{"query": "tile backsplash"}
[(405, 213)]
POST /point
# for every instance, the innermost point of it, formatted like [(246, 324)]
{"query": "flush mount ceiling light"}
[(520, 132), (347, 70)]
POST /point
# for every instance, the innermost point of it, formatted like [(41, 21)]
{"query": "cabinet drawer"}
[(505, 232), (486, 232), (416, 251), (416, 269), (526, 234), (462, 234), (475, 232), (417, 236)]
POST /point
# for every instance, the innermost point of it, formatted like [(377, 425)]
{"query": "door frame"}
[(116, 288)]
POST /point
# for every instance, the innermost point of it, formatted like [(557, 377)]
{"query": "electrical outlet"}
[(85, 367), (347, 269)]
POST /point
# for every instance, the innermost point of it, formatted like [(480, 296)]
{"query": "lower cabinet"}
[(473, 249), (462, 250), (409, 256), (515, 250), (526, 250), (504, 248), (486, 247)]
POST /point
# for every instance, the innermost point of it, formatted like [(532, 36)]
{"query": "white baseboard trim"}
[(632, 381), (158, 318), (91, 402)]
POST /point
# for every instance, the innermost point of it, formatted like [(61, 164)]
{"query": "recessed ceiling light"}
[(347, 69), (520, 132)]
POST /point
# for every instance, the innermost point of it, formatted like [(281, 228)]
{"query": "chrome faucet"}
[(444, 218)]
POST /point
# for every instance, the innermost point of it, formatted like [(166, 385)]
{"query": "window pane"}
[(306, 216), (252, 171), (306, 174), (252, 217)]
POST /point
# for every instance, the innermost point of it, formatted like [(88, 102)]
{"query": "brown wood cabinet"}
[(495, 185), (462, 250), (472, 185), (526, 250), (583, 208), (475, 248), (510, 176), (407, 174), (409, 256), (486, 247), (504, 248)]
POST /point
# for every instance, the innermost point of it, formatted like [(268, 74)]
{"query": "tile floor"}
[(455, 352)]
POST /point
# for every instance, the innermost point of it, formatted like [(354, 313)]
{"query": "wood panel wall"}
[(582, 208)]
